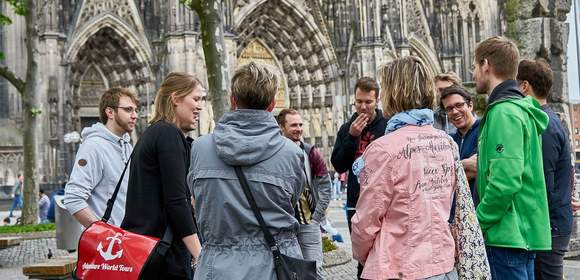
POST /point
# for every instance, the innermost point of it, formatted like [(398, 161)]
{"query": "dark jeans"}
[(550, 264), (16, 203), (349, 214), (511, 264)]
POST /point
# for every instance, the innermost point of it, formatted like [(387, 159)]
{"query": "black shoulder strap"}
[(111, 200), (167, 236), (269, 238)]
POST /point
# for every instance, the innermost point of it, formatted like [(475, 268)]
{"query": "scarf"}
[(416, 117)]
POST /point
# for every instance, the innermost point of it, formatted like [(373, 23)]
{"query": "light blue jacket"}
[(97, 168), (234, 246)]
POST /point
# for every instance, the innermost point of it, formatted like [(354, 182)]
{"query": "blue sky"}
[(573, 80)]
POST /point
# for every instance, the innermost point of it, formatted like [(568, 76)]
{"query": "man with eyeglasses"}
[(100, 160), (443, 81), (457, 103), (365, 126)]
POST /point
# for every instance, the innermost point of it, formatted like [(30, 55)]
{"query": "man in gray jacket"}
[(311, 208), (248, 136), (100, 160)]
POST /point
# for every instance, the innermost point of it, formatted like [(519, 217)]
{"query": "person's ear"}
[(110, 112), (271, 106), (233, 103), (173, 99)]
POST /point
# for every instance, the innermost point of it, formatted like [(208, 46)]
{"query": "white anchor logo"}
[(108, 254)]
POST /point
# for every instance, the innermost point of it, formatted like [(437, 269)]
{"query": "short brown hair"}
[(368, 84), (281, 118), (455, 89), (110, 99), (501, 53), (254, 86), (180, 84), (407, 84), (450, 76), (538, 74)]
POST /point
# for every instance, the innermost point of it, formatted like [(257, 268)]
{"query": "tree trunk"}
[(212, 35), (30, 111)]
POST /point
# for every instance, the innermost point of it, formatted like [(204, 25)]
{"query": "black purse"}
[(287, 268)]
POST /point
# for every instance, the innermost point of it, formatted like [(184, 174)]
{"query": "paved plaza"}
[(37, 248)]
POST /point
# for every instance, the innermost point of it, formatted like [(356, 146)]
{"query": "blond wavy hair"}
[(406, 83), (178, 83), (254, 86)]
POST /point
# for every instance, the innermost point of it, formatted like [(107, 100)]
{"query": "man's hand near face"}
[(358, 125), (470, 167), (575, 204)]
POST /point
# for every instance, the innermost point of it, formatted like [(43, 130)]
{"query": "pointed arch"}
[(135, 41), (308, 60), (423, 51)]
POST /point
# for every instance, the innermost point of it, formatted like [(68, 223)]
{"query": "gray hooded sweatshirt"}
[(98, 166), (234, 246)]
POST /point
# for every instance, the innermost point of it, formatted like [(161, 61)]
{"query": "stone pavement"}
[(36, 249), (337, 216)]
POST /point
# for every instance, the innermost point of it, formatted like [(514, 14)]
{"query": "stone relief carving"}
[(305, 124), (91, 87), (95, 8), (416, 19), (317, 123), (329, 122)]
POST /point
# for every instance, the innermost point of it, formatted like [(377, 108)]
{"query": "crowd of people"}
[(400, 156)]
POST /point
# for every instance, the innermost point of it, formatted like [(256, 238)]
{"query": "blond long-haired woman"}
[(407, 178), (157, 195)]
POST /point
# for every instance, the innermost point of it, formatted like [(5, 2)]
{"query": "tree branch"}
[(12, 78)]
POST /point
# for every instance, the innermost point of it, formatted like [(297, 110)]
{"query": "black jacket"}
[(348, 148), (468, 147), (558, 174), (157, 193)]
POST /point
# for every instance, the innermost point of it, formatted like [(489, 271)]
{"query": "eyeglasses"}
[(458, 106), (129, 109)]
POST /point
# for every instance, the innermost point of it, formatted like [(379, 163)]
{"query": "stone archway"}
[(427, 54), (305, 53), (105, 59), (306, 57)]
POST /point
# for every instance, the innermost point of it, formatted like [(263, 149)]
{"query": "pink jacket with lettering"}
[(400, 229)]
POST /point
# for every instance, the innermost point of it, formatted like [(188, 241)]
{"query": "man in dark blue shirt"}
[(535, 79), (458, 105)]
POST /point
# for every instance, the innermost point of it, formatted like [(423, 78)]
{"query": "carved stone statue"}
[(317, 123), (206, 122), (339, 117), (305, 124), (329, 122)]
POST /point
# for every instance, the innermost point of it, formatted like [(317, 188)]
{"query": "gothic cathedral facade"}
[(320, 47)]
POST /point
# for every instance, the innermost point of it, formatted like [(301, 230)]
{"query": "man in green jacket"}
[(513, 212)]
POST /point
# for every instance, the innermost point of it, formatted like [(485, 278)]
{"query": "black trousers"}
[(550, 264), (349, 214)]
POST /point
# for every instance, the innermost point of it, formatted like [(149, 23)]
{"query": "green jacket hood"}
[(532, 107)]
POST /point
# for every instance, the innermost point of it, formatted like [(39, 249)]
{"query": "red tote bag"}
[(108, 252)]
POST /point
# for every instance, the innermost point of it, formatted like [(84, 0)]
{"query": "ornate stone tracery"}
[(320, 47)]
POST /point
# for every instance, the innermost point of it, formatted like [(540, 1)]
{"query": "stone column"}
[(541, 31)]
